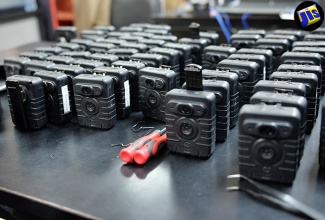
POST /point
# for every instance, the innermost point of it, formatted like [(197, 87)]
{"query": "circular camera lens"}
[(86, 90), (242, 45), (216, 58), (186, 128), (152, 99), (267, 131), (185, 109), (150, 83), (90, 106), (266, 152)]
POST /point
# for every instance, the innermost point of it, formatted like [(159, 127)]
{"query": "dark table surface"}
[(69, 169)]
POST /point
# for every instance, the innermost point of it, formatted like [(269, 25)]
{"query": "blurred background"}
[(26, 21)]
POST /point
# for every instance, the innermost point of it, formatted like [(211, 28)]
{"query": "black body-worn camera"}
[(221, 90), (77, 54), (259, 59), (121, 88), (69, 46), (133, 67), (57, 96), (88, 65), (268, 54), (105, 28), (106, 59), (247, 74), (151, 43), (34, 55), (298, 34), (35, 65), (114, 41), (84, 44), (308, 44), (15, 65), (286, 100), (232, 79), (66, 32), (49, 50), (101, 47), (269, 141), (281, 87), (123, 53), (130, 29), (149, 59), (166, 38), (197, 48), (322, 139), (58, 59), (211, 37), (26, 101), (191, 122), (290, 37), (244, 40), (142, 48), (116, 34), (95, 100), (212, 55), (84, 34), (314, 37), (260, 32), (311, 81), (154, 84)]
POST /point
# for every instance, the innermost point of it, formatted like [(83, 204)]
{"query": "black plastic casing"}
[(67, 32), (101, 47), (232, 79), (95, 100), (309, 44), (133, 67), (269, 142), (314, 37), (93, 33), (34, 55), (290, 37), (142, 48), (154, 84), (151, 43), (298, 34), (69, 46), (149, 59), (35, 65), (212, 55), (26, 102), (106, 59), (221, 90), (84, 44), (244, 40), (121, 89), (15, 65), (198, 46), (286, 100), (114, 41), (260, 32), (58, 59), (57, 96), (123, 53), (77, 54), (247, 74), (211, 37), (191, 122), (259, 59), (166, 38), (105, 28), (49, 50), (310, 81), (88, 65)]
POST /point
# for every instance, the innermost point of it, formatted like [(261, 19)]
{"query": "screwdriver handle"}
[(127, 153), (150, 149)]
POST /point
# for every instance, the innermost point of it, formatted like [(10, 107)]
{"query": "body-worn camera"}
[(77, 54), (157, 31), (211, 37), (278, 47), (286, 100), (15, 65), (212, 55), (149, 59), (69, 46), (71, 71), (58, 59), (57, 96), (247, 75), (191, 122), (105, 28), (142, 48), (317, 70), (121, 88), (84, 34), (269, 141), (114, 41), (35, 65), (88, 65), (84, 44), (95, 100), (133, 67), (123, 53), (117, 34), (314, 37), (106, 59), (143, 34), (26, 101), (100, 47), (281, 87), (221, 90), (268, 54), (290, 37), (66, 32), (322, 139), (244, 40), (259, 59), (298, 34), (311, 81), (166, 38), (34, 55), (260, 32), (154, 84), (49, 50), (197, 48), (185, 57), (308, 44), (232, 79), (151, 43), (130, 29)]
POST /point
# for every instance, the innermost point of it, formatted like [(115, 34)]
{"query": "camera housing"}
[(191, 122), (142, 48), (151, 43), (106, 59), (259, 59), (114, 41), (298, 34), (322, 139), (100, 47), (232, 79), (213, 54), (66, 32), (133, 67), (244, 40), (211, 37), (310, 81), (198, 46), (65, 46), (58, 59), (15, 65), (123, 53), (166, 38), (149, 59), (84, 44), (105, 28), (34, 55), (77, 54), (286, 100), (290, 37), (269, 142), (130, 29), (26, 102), (57, 96), (260, 32), (121, 88), (95, 100), (314, 37), (247, 75), (88, 65), (281, 87), (154, 84), (49, 50), (84, 34), (35, 65), (308, 44)]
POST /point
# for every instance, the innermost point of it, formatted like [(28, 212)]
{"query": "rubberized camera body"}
[(213, 54), (15, 65)]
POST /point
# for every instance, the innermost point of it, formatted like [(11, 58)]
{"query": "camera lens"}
[(185, 109), (215, 58), (90, 106), (86, 90), (266, 153), (267, 131), (150, 83), (186, 128), (152, 99)]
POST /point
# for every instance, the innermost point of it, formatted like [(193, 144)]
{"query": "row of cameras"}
[(194, 119)]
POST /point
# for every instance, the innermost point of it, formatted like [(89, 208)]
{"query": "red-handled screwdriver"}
[(127, 154), (150, 149)]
